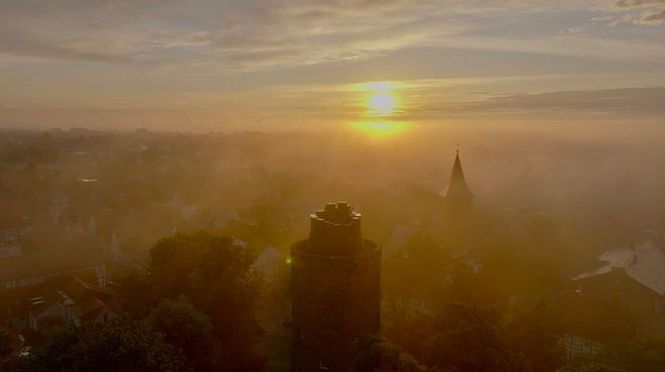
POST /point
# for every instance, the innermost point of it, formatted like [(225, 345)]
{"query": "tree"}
[(467, 338), (135, 295), (590, 367), (5, 346), (217, 277), (187, 329), (117, 346), (228, 290), (644, 355), (534, 336), (377, 355)]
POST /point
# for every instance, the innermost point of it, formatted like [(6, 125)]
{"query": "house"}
[(63, 299), (634, 276), (58, 207), (626, 290), (14, 233), (30, 269), (11, 250)]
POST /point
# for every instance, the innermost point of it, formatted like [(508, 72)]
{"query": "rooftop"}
[(644, 263)]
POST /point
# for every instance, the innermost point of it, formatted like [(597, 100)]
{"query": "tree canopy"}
[(119, 346), (206, 279)]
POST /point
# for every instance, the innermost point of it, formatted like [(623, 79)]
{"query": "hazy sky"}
[(259, 64)]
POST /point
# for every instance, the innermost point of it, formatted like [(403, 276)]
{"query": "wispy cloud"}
[(253, 35), (228, 55)]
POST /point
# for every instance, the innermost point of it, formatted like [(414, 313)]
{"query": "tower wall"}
[(335, 295)]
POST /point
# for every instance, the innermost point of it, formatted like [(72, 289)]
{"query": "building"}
[(62, 299), (336, 284), (458, 195), (626, 291), (633, 276), (25, 270)]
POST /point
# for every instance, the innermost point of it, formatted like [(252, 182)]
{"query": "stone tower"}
[(336, 284)]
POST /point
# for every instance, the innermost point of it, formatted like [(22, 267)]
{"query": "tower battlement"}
[(335, 230)]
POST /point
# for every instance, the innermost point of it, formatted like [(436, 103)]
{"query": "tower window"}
[(323, 365)]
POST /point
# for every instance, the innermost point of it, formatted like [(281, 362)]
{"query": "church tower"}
[(458, 194), (336, 284)]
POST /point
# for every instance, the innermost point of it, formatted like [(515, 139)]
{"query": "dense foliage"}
[(120, 346), (379, 355), (201, 291)]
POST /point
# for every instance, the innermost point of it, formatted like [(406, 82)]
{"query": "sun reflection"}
[(380, 129)]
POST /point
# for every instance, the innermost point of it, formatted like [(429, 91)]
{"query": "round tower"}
[(336, 280)]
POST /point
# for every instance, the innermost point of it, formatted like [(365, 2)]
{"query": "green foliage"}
[(187, 329), (645, 355), (217, 278), (120, 346), (376, 355), (534, 338), (467, 338)]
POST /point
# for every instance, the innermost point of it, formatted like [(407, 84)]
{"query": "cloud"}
[(634, 3), (656, 18), (618, 101), (200, 37), (243, 35), (572, 30)]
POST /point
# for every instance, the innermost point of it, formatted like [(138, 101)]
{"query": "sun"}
[(382, 103), (382, 106), (381, 98)]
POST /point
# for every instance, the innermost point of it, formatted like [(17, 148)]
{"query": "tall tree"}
[(534, 337), (467, 338), (218, 278), (187, 329)]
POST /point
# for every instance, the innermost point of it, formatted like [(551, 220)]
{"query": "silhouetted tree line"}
[(195, 308)]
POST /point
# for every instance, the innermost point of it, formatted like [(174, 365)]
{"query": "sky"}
[(216, 65)]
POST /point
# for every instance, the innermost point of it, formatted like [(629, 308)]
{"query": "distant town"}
[(101, 230)]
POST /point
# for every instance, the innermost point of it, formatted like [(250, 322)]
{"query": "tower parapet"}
[(335, 230)]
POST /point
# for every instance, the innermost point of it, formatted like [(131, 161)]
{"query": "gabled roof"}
[(38, 264), (88, 308), (457, 187), (644, 263)]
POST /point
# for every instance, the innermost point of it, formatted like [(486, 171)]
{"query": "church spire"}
[(457, 187)]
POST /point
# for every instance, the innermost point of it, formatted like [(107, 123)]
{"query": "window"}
[(323, 365)]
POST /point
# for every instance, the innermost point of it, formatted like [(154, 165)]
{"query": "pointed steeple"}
[(457, 188)]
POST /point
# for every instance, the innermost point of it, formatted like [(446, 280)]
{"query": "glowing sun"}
[(381, 99), (382, 108), (382, 103)]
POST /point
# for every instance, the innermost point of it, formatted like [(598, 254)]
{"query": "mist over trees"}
[(198, 228)]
